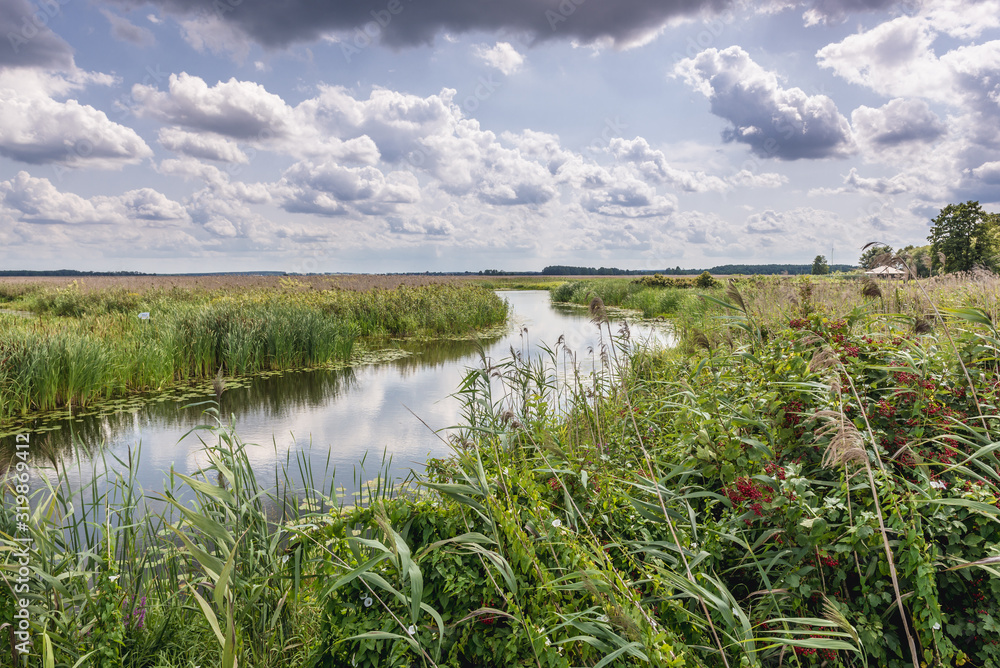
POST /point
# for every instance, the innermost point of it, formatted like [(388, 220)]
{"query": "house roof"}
[(886, 271)]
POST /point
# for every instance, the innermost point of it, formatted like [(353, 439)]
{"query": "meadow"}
[(810, 479), (73, 344)]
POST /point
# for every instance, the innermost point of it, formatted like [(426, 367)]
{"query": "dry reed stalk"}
[(846, 443), (844, 454)]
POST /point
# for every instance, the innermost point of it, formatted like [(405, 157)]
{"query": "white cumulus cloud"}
[(502, 56)]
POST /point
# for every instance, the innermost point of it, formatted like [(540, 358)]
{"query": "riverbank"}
[(797, 485), (92, 344)]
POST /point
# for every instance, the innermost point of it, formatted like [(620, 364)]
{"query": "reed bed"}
[(12, 286), (87, 346), (633, 294)]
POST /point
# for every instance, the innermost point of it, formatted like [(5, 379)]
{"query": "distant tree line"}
[(791, 269), (564, 270), (744, 269), (68, 272)]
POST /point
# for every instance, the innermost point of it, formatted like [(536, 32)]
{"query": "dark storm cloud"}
[(25, 38), (412, 22), (399, 23)]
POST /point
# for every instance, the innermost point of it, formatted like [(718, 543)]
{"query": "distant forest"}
[(554, 270), (745, 269), (68, 272), (773, 268)]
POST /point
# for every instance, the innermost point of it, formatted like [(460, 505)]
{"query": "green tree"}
[(867, 259), (963, 234), (820, 266), (918, 259)]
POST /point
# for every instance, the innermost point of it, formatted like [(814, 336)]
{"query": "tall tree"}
[(962, 233), (820, 266)]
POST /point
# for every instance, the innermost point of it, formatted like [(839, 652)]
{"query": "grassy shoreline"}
[(91, 345)]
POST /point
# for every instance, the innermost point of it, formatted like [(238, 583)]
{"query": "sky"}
[(461, 135)]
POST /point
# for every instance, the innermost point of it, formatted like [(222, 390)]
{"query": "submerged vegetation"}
[(82, 346)]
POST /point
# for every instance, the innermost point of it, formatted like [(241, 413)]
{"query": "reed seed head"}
[(598, 312), (869, 288), (846, 444)]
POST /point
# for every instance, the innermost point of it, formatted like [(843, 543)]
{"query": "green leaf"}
[(357, 572)]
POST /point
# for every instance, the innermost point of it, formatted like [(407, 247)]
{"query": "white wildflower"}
[(368, 601), (411, 629), (557, 523)]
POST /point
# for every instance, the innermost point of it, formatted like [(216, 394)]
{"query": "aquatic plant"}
[(87, 346)]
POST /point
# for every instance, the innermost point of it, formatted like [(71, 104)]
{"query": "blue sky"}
[(412, 135)]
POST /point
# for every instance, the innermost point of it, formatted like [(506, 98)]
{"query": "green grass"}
[(89, 346), (631, 294), (804, 484)]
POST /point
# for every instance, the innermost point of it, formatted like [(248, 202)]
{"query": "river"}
[(331, 419)]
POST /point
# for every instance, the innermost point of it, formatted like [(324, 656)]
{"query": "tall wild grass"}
[(823, 491), (86, 346), (627, 294)]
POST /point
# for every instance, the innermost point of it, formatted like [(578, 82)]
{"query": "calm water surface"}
[(333, 418)]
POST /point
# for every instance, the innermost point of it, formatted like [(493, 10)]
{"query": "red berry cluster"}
[(792, 413), (885, 409), (829, 561), (903, 377), (798, 323), (825, 654), (746, 490), (554, 483), (774, 470)]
